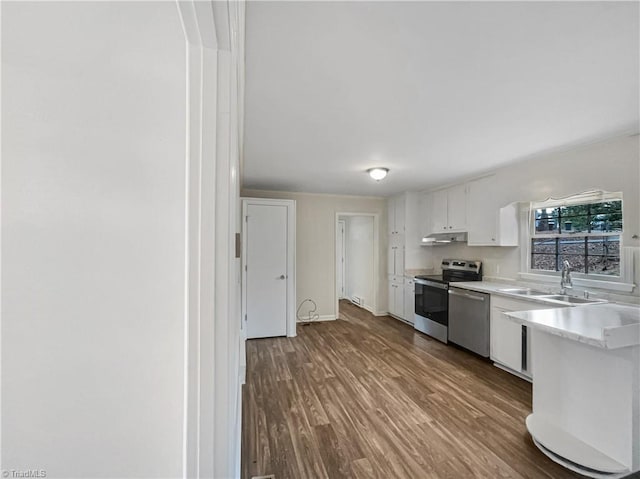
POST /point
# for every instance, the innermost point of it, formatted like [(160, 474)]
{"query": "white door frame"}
[(376, 258), (340, 256), (214, 33), (291, 258)]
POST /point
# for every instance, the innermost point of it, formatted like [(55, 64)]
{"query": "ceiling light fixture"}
[(378, 173)]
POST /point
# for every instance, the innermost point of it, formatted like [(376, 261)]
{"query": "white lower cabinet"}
[(409, 300), (506, 341), (396, 299), (511, 342)]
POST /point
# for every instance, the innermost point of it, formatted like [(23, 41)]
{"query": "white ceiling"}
[(434, 91)]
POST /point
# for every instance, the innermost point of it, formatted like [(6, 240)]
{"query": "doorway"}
[(357, 259), (340, 258), (268, 267)]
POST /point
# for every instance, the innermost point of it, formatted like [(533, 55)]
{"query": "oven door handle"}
[(431, 284), (465, 295)]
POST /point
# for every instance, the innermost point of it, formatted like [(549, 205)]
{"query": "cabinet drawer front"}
[(508, 304)]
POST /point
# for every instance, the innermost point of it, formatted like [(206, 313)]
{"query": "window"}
[(585, 230)]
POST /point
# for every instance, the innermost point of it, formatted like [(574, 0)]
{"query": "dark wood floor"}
[(368, 397)]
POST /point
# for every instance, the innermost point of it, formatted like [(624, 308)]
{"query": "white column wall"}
[(93, 238), (121, 347)]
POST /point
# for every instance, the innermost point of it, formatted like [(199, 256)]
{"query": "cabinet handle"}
[(524, 348)]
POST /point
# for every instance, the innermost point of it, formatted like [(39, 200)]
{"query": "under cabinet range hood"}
[(443, 238)]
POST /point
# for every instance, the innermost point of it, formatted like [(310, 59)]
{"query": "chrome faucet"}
[(565, 278)]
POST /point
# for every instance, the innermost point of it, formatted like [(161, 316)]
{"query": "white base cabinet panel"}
[(409, 300), (396, 299), (511, 342), (506, 340)]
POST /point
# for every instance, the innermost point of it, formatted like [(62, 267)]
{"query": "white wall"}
[(612, 165), (93, 245), (315, 247), (359, 258), (118, 224)]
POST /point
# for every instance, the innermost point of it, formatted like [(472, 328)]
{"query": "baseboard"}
[(511, 371), (371, 310), (324, 317)]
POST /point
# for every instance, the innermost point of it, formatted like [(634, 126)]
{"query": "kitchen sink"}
[(572, 299), (524, 291), (565, 298)]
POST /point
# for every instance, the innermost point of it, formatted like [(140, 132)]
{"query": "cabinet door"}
[(392, 297), (391, 261), (398, 301), (399, 261), (399, 207), (391, 216), (425, 223), (457, 208), (439, 223), (409, 300), (506, 340), (482, 213)]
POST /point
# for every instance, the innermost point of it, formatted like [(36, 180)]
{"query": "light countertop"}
[(608, 326), (485, 286), (497, 288), (411, 273)]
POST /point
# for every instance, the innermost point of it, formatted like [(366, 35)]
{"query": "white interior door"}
[(340, 259), (266, 271)]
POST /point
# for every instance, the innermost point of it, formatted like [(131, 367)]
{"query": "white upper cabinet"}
[(400, 203), (396, 214), (448, 212), (457, 208), (488, 224), (439, 217), (424, 215)]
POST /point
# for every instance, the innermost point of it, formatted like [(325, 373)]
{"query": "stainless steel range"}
[(432, 298)]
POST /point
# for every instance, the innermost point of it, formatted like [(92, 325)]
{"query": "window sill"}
[(584, 282)]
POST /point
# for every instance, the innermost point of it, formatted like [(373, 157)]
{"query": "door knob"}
[(282, 276)]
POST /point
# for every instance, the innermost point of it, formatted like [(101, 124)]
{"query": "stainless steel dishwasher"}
[(469, 320)]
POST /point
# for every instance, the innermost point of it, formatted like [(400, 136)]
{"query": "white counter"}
[(609, 326)]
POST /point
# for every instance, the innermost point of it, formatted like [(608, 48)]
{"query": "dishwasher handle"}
[(466, 295)]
